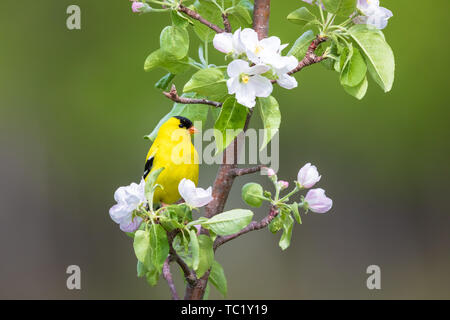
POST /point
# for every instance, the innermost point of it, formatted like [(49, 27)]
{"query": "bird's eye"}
[(180, 125)]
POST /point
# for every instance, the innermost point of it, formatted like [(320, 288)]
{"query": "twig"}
[(254, 225), (173, 95), (226, 22), (189, 275), (168, 276), (196, 16), (240, 172), (310, 56)]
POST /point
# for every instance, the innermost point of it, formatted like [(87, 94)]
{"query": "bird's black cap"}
[(184, 122)]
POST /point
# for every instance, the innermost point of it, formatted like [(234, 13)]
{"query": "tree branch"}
[(243, 171), (226, 22), (196, 16), (168, 276), (254, 225), (173, 95), (310, 56), (225, 177), (189, 275), (261, 13)]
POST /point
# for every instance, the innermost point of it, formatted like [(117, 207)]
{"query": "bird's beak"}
[(193, 130)]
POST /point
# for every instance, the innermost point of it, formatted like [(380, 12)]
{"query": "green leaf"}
[(206, 256), (194, 112), (271, 117), (230, 123), (354, 70), (218, 279), (243, 11), (179, 20), (151, 247), (150, 187), (159, 246), (229, 222), (340, 7), (252, 193), (294, 208), (165, 81), (174, 42), (141, 269), (378, 54), (207, 290), (301, 16), (141, 247), (195, 249), (358, 91), (152, 277), (210, 12), (158, 59), (285, 239), (208, 82), (301, 45), (170, 224)]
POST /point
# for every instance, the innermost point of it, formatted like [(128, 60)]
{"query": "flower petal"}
[(262, 87), (286, 81), (258, 69), (236, 67), (270, 45), (318, 201), (233, 84), (130, 224), (249, 38), (245, 95), (223, 42)]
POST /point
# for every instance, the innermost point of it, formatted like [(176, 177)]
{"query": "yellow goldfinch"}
[(174, 151)]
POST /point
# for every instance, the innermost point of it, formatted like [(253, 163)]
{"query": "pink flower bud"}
[(283, 184), (135, 6), (317, 201), (270, 172), (308, 176)]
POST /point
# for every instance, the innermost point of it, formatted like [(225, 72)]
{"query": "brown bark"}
[(173, 95), (196, 16), (226, 174)]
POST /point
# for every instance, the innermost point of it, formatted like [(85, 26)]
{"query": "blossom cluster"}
[(131, 198), (256, 62), (370, 13), (315, 199)]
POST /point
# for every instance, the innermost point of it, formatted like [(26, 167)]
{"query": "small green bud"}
[(267, 194), (276, 224), (251, 193)]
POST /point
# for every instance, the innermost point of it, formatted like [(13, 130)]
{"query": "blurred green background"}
[(74, 106)]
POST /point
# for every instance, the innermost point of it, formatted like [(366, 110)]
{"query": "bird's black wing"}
[(148, 166)]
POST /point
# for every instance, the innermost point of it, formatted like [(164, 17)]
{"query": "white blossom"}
[(373, 14), (247, 83), (317, 201), (308, 176), (128, 199), (194, 197), (229, 43), (283, 78)]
